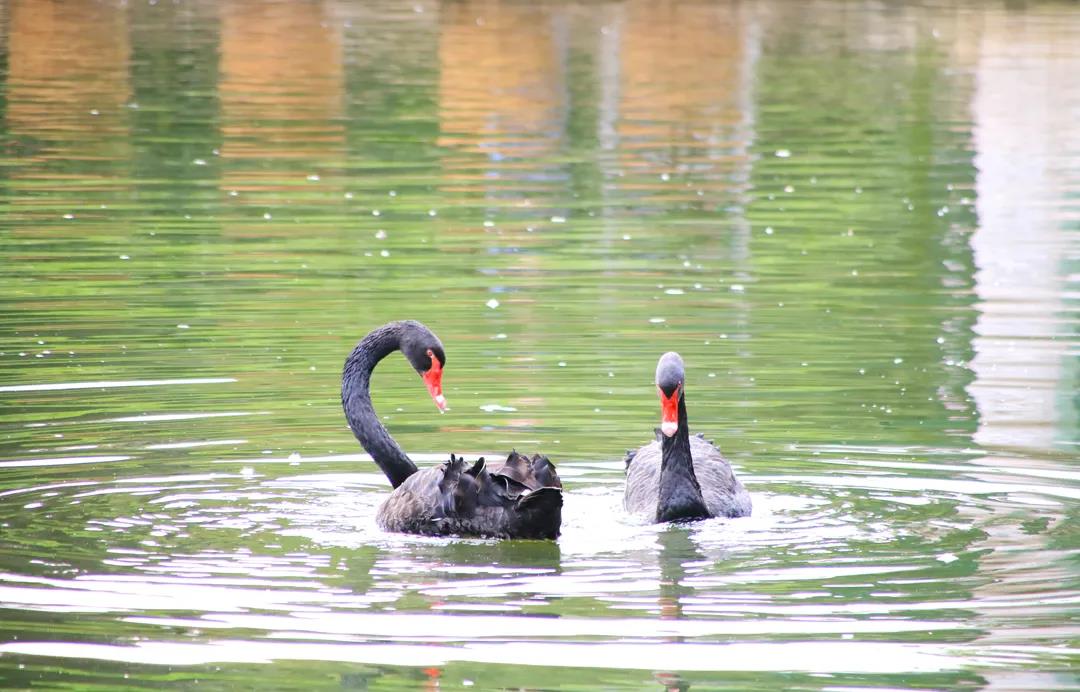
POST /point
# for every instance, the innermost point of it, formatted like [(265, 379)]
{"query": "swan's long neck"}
[(356, 400), (680, 494)]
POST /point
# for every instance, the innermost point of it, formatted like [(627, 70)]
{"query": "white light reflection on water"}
[(812, 657), (110, 384)]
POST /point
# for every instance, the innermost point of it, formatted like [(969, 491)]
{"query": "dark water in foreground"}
[(858, 223)]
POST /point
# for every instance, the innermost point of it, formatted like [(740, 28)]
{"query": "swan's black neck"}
[(680, 494), (356, 400)]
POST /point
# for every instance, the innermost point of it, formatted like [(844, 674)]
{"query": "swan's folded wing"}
[(544, 472), (516, 468), (493, 489), (533, 474), (457, 489)]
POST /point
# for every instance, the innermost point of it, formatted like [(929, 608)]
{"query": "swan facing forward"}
[(678, 477), (520, 498)]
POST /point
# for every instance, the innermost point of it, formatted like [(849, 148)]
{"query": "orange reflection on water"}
[(501, 84), (68, 87), (684, 84), (281, 90)]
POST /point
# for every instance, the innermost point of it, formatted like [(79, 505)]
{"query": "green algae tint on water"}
[(857, 222)]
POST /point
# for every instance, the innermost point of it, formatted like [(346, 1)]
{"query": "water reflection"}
[(1024, 384), (501, 80), (67, 77), (282, 100), (1024, 376), (684, 88), (817, 204), (677, 551)]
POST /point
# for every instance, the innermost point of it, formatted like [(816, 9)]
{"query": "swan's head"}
[(669, 384), (425, 353)]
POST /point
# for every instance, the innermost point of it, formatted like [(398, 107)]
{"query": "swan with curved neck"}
[(680, 477), (520, 498)]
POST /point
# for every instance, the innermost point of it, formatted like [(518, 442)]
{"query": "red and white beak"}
[(669, 411), (433, 381)]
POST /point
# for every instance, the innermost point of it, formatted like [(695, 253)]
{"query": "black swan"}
[(520, 498), (678, 477)]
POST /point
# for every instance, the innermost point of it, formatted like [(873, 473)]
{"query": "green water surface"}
[(856, 221)]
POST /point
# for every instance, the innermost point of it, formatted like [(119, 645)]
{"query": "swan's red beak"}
[(669, 411), (433, 380)]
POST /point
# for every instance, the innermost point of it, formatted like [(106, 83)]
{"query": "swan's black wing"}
[(454, 498), (723, 493), (642, 487), (535, 473), (417, 503)]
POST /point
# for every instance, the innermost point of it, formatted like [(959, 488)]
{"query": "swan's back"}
[(723, 493), (520, 498)]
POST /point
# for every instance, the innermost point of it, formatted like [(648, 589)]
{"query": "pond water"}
[(858, 222)]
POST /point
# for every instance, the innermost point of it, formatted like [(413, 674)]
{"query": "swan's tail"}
[(539, 513)]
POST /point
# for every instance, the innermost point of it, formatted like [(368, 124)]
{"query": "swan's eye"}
[(674, 392)]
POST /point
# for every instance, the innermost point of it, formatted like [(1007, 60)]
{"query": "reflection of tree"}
[(391, 100), (174, 108), (175, 132), (502, 123), (866, 268), (554, 111)]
